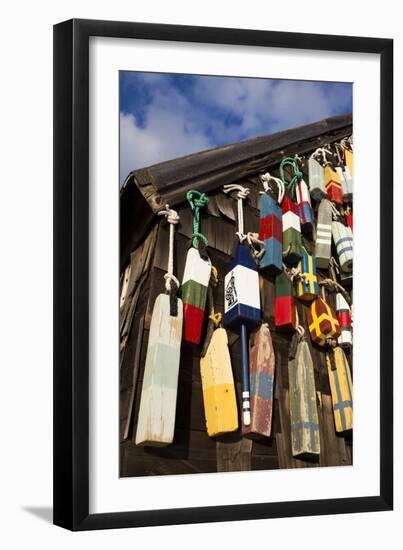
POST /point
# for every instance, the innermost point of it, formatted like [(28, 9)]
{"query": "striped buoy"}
[(242, 298), (323, 234), (196, 276), (333, 184), (346, 182), (292, 242), (316, 179), (344, 318), (284, 304), (322, 322), (343, 240), (304, 206), (307, 288), (341, 388), (194, 293), (271, 228)]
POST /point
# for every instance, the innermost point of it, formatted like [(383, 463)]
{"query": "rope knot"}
[(201, 201), (171, 215)]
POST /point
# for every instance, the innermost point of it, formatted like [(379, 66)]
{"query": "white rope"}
[(172, 218), (265, 178), (321, 151), (253, 240), (243, 192)]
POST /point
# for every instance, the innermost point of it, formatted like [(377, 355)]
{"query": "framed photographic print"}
[(218, 315)]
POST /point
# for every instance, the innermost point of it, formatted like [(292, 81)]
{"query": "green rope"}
[(298, 175), (197, 200)]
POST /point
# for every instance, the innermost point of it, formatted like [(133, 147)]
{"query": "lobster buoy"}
[(284, 304), (343, 240), (333, 185), (304, 206), (316, 179), (344, 318), (271, 233), (292, 242), (341, 388), (322, 322), (307, 288), (323, 234)]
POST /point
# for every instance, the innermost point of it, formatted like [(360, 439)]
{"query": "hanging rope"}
[(265, 179), (298, 175), (256, 245), (171, 282), (197, 201), (243, 192), (321, 151), (215, 316)]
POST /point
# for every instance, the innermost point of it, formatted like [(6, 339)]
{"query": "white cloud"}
[(178, 123)]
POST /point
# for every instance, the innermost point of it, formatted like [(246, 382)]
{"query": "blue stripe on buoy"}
[(250, 316)]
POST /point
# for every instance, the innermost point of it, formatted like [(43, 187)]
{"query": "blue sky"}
[(165, 116)]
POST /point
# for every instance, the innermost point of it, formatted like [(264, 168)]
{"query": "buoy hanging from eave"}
[(341, 389), (284, 304), (322, 322), (271, 228), (307, 287), (261, 369), (343, 240), (316, 179), (156, 418), (292, 242), (196, 275), (242, 298), (333, 185), (303, 409), (323, 242), (344, 318)]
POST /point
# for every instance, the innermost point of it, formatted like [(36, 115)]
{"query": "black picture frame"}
[(71, 274)]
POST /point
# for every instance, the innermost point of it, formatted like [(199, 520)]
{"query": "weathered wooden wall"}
[(192, 450)]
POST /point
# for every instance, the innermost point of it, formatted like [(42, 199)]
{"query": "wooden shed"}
[(143, 257)]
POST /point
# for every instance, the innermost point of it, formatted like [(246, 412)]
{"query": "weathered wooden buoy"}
[(344, 318), (333, 185), (292, 242), (323, 234), (196, 275), (156, 418), (341, 388), (261, 369), (242, 298), (303, 409), (343, 240), (219, 397), (271, 227), (322, 322), (284, 304), (307, 287), (316, 178)]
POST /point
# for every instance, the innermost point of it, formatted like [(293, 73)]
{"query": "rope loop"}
[(243, 192), (266, 178), (216, 318), (197, 201), (296, 178)]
